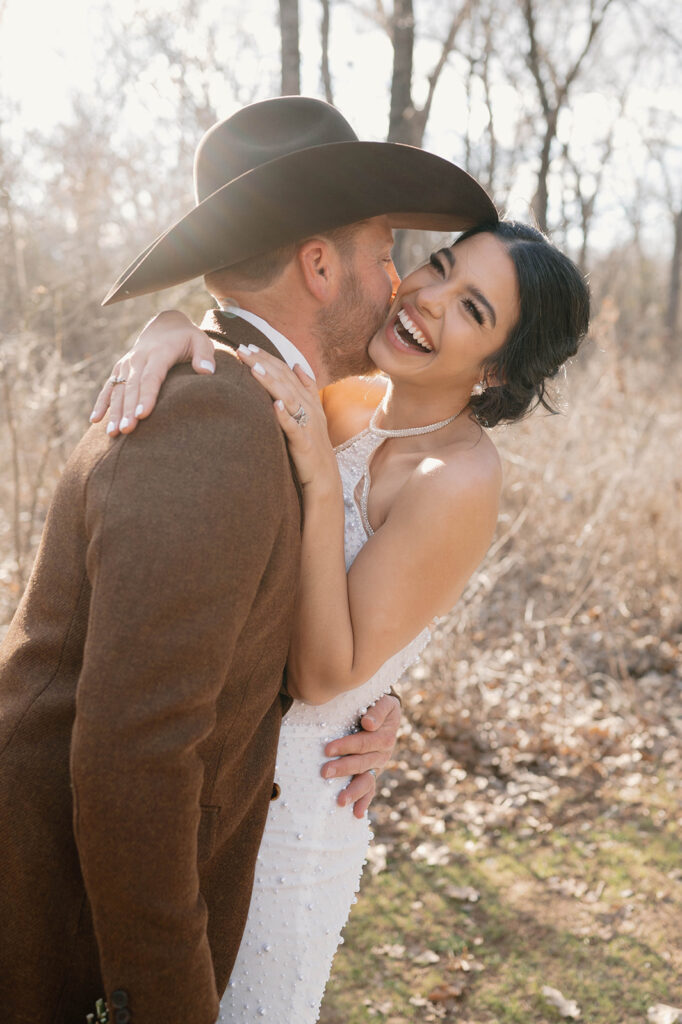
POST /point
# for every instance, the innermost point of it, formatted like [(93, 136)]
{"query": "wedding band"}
[(117, 380), (301, 416)]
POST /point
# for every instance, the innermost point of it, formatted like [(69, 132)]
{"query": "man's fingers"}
[(387, 709), (361, 743), (360, 807), (354, 764), (358, 792)]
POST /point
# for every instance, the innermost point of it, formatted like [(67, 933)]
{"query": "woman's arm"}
[(413, 568), (169, 338)]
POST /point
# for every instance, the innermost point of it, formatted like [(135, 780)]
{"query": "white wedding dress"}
[(312, 853)]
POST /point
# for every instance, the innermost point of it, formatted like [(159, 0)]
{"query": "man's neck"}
[(287, 322)]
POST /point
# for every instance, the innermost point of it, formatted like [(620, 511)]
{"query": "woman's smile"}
[(407, 332)]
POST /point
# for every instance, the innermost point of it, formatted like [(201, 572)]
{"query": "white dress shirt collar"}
[(288, 351)]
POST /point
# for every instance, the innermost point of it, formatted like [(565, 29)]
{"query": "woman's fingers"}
[(104, 397), (203, 352), (131, 392), (276, 377)]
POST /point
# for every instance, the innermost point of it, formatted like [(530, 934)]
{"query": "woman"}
[(397, 516)]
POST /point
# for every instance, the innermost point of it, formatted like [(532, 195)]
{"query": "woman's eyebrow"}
[(477, 294)]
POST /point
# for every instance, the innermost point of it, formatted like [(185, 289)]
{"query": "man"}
[(140, 678)]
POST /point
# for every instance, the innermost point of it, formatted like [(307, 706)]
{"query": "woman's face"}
[(450, 315)]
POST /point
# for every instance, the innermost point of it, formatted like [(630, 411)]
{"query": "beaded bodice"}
[(353, 459)]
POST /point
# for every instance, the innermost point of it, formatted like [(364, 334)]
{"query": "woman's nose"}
[(433, 298)]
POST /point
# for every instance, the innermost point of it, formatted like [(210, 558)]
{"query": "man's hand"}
[(356, 754)]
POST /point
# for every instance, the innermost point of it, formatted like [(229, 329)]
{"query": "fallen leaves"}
[(567, 1007), (661, 1013)]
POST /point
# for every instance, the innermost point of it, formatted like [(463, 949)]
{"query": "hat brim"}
[(302, 194)]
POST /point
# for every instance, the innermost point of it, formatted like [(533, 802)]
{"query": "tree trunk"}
[(673, 311), (402, 109), (541, 197), (291, 57), (324, 64)]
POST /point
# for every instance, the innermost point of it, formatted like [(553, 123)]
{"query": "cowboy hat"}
[(284, 169)]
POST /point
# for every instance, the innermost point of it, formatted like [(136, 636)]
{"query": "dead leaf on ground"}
[(448, 990), (429, 956), (395, 952), (661, 1013), (566, 1007), (463, 892)]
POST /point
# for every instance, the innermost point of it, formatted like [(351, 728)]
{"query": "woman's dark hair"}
[(553, 320)]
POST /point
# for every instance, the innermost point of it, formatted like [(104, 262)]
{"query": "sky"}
[(50, 50)]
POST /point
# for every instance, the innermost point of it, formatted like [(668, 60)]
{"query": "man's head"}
[(331, 292), (286, 169)]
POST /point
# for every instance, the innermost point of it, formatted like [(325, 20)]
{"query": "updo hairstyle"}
[(553, 320)]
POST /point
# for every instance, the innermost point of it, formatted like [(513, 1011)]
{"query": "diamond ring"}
[(117, 380), (301, 416)]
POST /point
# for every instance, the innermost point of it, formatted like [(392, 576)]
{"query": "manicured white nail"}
[(92, 415), (257, 368), (280, 404), (124, 423), (139, 410), (111, 427), (205, 365), (243, 349), (254, 348)]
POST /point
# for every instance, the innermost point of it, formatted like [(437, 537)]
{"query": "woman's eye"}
[(472, 308), (436, 263)]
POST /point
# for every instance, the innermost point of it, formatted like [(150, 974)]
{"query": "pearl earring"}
[(479, 389)]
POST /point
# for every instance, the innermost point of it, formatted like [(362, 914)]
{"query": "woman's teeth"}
[(413, 331)]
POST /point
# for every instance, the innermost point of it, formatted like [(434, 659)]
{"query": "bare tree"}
[(672, 317), (553, 87), (291, 56), (407, 122), (324, 62)]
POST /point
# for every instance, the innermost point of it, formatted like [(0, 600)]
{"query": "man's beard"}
[(345, 329)]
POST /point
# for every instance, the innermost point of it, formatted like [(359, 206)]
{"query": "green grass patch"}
[(592, 910)]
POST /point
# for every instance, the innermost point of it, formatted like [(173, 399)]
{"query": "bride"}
[(400, 489)]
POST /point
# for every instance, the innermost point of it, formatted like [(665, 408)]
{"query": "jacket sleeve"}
[(181, 519)]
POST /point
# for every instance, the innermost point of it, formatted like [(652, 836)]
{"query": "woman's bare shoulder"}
[(463, 474), (348, 405)]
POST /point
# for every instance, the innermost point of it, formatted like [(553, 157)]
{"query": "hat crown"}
[(263, 132)]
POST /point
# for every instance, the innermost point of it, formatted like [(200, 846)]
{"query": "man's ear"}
[(320, 268)]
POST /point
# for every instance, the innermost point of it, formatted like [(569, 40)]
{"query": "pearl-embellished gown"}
[(312, 852)]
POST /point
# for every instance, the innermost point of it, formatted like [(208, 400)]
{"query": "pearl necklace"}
[(383, 433), (409, 431)]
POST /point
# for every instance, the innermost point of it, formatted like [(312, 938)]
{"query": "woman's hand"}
[(131, 391), (301, 416)]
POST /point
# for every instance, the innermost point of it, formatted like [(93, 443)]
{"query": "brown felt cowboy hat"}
[(288, 168)]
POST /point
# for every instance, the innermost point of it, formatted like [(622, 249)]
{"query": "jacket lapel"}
[(235, 331)]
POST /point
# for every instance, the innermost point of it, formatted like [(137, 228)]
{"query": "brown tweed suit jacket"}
[(140, 707)]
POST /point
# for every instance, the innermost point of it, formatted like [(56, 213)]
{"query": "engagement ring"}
[(301, 416)]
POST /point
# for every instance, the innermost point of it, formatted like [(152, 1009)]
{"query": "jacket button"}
[(275, 791), (119, 999), (122, 1016)]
